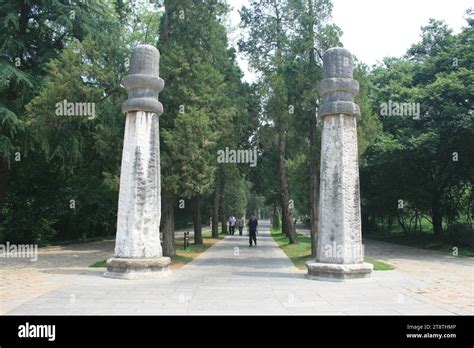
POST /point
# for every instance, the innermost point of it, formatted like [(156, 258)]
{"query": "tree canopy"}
[(59, 174)]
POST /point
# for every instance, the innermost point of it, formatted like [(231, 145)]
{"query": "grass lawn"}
[(301, 252), (182, 256), (99, 264), (379, 266), (425, 240), (77, 241)]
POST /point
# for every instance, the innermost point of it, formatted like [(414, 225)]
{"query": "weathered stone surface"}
[(138, 251), (139, 209), (128, 268), (143, 84), (339, 247), (338, 88), (337, 272)]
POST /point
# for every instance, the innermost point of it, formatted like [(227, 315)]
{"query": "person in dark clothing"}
[(253, 223), (241, 224)]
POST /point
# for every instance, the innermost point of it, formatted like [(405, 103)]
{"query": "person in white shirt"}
[(232, 221)]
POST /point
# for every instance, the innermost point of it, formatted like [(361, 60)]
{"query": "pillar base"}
[(337, 272), (131, 268)]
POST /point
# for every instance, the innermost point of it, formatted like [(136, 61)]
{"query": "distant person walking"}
[(253, 223), (240, 225), (232, 221)]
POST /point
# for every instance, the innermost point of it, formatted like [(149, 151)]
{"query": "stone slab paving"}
[(446, 279), (22, 280), (259, 280)]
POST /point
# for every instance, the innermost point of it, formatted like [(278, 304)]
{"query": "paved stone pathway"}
[(447, 279), (22, 280), (226, 280)]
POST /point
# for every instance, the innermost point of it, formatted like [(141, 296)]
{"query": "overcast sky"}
[(374, 29)]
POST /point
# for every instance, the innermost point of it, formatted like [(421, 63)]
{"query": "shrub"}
[(461, 235)]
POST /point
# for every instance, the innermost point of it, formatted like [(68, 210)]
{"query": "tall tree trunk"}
[(222, 204), (197, 219), (4, 174), (288, 225), (167, 204), (167, 199), (365, 222), (24, 17), (275, 217), (215, 214), (436, 218), (284, 229), (165, 32), (313, 154), (314, 190)]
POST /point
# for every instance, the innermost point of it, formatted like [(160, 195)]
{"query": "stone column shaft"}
[(339, 253), (139, 198), (138, 252)]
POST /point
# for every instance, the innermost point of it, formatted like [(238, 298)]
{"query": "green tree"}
[(33, 33), (312, 36), (267, 23), (430, 152), (201, 101)]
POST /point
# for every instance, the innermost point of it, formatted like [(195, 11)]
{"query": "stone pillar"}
[(138, 252), (339, 253)]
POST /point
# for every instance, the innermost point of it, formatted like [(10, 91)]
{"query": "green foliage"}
[(78, 50), (190, 142), (301, 252), (424, 162), (299, 177), (461, 235), (206, 104), (369, 126), (62, 158), (236, 193), (378, 265)]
